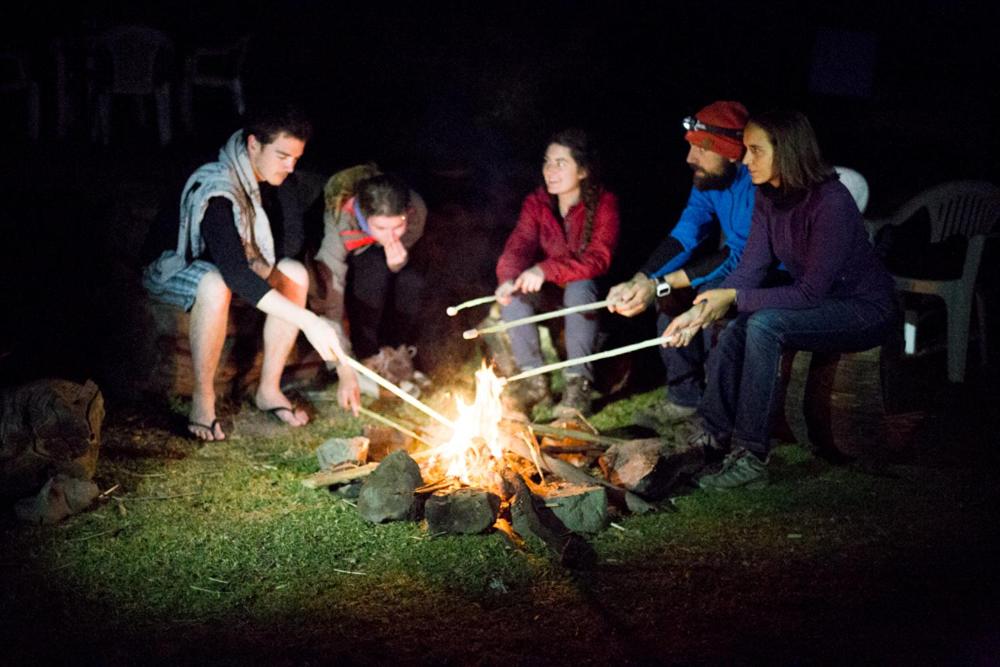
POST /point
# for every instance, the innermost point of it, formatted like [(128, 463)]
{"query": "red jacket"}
[(540, 237)]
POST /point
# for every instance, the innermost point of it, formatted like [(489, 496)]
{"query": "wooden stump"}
[(48, 427), (161, 357), (836, 400)]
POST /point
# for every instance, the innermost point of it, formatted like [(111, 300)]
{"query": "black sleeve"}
[(703, 264), (226, 251), (664, 252)]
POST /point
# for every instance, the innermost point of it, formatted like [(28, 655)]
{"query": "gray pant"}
[(581, 328)]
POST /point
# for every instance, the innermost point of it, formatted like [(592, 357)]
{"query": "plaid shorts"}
[(180, 290)]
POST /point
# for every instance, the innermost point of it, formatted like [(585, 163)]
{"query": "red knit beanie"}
[(725, 114)]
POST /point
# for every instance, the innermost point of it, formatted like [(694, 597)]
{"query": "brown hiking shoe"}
[(575, 398)]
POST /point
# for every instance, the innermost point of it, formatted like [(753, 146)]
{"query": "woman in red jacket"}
[(564, 240)]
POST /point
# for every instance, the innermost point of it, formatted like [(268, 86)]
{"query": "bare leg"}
[(207, 335), (292, 281)]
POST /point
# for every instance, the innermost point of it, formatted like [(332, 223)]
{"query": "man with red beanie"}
[(721, 202)]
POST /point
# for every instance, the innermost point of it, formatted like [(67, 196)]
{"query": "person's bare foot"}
[(209, 432), (202, 423), (281, 409)]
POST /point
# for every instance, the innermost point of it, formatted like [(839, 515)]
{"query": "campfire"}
[(473, 455), (498, 471)]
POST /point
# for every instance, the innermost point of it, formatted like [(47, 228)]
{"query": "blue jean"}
[(581, 328), (685, 366), (742, 392)]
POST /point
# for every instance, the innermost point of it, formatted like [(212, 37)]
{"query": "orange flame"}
[(473, 451)]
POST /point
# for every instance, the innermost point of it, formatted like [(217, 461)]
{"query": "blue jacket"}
[(731, 209)]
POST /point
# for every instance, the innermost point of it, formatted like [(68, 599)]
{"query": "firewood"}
[(329, 478)]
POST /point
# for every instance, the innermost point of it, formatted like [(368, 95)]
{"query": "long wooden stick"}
[(503, 326), (382, 382), (390, 423), (545, 429), (548, 368), (471, 303)]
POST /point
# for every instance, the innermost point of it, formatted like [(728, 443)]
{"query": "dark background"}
[(460, 98)]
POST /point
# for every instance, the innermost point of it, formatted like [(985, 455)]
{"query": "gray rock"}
[(60, 497), (388, 494), (651, 468), (582, 509), (465, 511), (637, 505), (542, 529), (342, 450)]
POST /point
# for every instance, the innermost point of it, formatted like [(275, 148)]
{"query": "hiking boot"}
[(575, 399), (526, 394), (663, 415), (713, 450), (741, 469)]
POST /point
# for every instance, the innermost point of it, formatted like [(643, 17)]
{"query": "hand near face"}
[(504, 292), (395, 255), (632, 297), (530, 280)]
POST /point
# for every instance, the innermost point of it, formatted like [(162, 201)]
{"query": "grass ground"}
[(216, 553)]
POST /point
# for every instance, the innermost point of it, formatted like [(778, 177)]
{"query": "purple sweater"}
[(821, 240)]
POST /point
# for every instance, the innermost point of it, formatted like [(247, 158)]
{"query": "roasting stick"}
[(652, 342), (382, 382), (391, 424), (471, 303), (503, 326)]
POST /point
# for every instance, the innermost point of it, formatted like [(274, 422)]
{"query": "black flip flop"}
[(273, 414), (208, 427)]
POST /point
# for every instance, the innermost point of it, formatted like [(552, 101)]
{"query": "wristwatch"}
[(662, 286)]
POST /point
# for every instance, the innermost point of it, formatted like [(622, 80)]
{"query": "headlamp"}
[(692, 124)]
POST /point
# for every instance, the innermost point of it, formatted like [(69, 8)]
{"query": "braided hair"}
[(586, 158)]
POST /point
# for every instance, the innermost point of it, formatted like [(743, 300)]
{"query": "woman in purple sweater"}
[(840, 298)]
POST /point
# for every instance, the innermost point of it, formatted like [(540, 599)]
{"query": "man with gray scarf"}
[(233, 238)]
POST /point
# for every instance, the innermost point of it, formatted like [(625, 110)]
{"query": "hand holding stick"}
[(503, 326), (382, 382)]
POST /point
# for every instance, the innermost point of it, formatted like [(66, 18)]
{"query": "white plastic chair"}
[(970, 209), (856, 184), (214, 67), (137, 58), (15, 82)]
